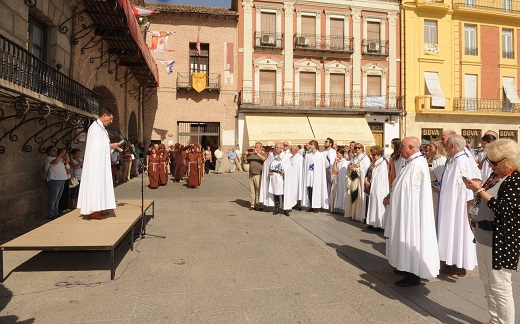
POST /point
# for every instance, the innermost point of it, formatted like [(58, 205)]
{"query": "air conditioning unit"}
[(302, 41), (267, 40), (373, 47)]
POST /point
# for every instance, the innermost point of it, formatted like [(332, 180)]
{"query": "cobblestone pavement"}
[(221, 263)]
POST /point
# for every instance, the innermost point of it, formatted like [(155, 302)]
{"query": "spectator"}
[(64, 204), (56, 178), (238, 160), (77, 167), (256, 161), (218, 156), (232, 156), (207, 159)]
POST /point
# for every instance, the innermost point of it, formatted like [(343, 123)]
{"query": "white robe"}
[(317, 180), (357, 209), (264, 197), (486, 170), (339, 202), (398, 164), (456, 245), (96, 191), (293, 182), (411, 243), (378, 191), (438, 164)]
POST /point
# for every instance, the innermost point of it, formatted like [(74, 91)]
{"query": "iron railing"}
[(511, 6), (470, 51), (20, 67), (375, 47), (324, 43), (484, 105), (184, 81), (274, 40), (508, 54), (303, 100)]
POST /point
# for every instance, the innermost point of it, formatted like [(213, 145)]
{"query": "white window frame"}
[(430, 27), (470, 38)]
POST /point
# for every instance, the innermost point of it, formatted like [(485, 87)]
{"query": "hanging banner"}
[(160, 41), (198, 81)]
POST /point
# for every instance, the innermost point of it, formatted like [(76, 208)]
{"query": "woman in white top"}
[(77, 167), (56, 178), (64, 203)]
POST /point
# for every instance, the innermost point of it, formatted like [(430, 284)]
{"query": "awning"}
[(510, 89), (434, 87), (269, 129), (342, 130)]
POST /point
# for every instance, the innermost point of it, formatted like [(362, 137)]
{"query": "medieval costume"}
[(153, 169), (377, 191), (163, 165), (355, 205)]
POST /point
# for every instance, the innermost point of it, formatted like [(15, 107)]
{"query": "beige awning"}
[(269, 129), (342, 130), (510, 89)]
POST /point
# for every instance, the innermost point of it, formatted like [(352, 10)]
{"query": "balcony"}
[(485, 105), (508, 54), (318, 43), (317, 101), (185, 82), (471, 51), (502, 6), (375, 47), (20, 69), (269, 40)]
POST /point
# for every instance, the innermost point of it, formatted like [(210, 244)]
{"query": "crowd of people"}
[(442, 207)]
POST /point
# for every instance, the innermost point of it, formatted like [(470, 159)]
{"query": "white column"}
[(248, 48), (392, 58), (288, 85), (356, 56)]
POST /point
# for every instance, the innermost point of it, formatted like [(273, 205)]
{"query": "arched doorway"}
[(108, 101), (132, 128)]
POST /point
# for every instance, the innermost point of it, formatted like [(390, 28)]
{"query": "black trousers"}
[(207, 164)]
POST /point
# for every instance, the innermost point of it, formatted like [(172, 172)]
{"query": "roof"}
[(180, 8)]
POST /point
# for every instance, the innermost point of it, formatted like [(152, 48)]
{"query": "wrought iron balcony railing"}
[(511, 6), (273, 40), (485, 105), (324, 43), (508, 54), (20, 67), (325, 101), (375, 47), (185, 81), (471, 51)]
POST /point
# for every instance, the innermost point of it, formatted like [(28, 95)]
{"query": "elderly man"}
[(355, 204), (293, 181), (315, 181), (279, 165), (218, 157), (456, 245), (411, 245), (256, 162)]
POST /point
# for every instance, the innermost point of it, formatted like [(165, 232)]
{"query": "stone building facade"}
[(55, 75)]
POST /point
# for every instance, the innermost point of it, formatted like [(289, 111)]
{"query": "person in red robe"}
[(193, 168), (163, 165), (178, 163), (153, 168)]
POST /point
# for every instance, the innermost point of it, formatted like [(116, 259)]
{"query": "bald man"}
[(411, 242)]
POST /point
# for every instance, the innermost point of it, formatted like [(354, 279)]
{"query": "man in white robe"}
[(411, 245), (355, 201), (293, 190), (96, 191), (315, 179), (330, 156), (378, 185), (279, 165), (456, 245), (265, 198)]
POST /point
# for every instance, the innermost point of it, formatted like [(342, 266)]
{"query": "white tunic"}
[(314, 176), (411, 243), (356, 209), (378, 191), (293, 182), (456, 245), (264, 196), (96, 191), (339, 203)]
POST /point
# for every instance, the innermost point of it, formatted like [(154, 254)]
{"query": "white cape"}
[(320, 198), (378, 191), (456, 245), (96, 191), (411, 243), (339, 202), (293, 182), (264, 196)]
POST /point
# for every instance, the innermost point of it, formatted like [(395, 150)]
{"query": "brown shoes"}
[(97, 215)]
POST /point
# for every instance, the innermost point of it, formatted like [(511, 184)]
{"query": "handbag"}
[(73, 182)]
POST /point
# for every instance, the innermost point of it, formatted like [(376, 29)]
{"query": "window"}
[(337, 36), (308, 32), (267, 87), (205, 133), (373, 85), (268, 21), (430, 31), (199, 62), (373, 43), (470, 40), (470, 92), (507, 5), (507, 44), (37, 39), (337, 90), (307, 95)]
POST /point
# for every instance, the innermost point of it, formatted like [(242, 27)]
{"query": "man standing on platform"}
[(256, 162), (96, 192), (411, 243), (218, 156)]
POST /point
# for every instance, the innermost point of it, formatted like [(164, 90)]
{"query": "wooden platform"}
[(74, 232)]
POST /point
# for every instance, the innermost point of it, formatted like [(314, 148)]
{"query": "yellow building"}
[(460, 68)]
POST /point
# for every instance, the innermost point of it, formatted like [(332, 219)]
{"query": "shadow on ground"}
[(5, 296)]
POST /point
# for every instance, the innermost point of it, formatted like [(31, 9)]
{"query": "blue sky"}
[(209, 3)]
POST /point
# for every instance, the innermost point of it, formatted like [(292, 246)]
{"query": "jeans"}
[(55, 191)]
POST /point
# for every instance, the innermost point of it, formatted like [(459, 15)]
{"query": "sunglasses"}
[(358, 147), (493, 163)]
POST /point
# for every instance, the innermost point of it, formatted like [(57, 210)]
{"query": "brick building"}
[(60, 64), (197, 98)]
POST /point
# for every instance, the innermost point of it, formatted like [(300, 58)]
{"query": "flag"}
[(169, 67), (143, 12), (198, 42), (159, 41)]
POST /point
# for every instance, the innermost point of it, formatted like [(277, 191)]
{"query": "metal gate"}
[(205, 134)]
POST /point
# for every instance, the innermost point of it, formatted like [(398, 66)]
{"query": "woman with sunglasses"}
[(495, 220)]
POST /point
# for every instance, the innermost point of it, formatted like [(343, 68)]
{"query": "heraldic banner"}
[(198, 81)]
